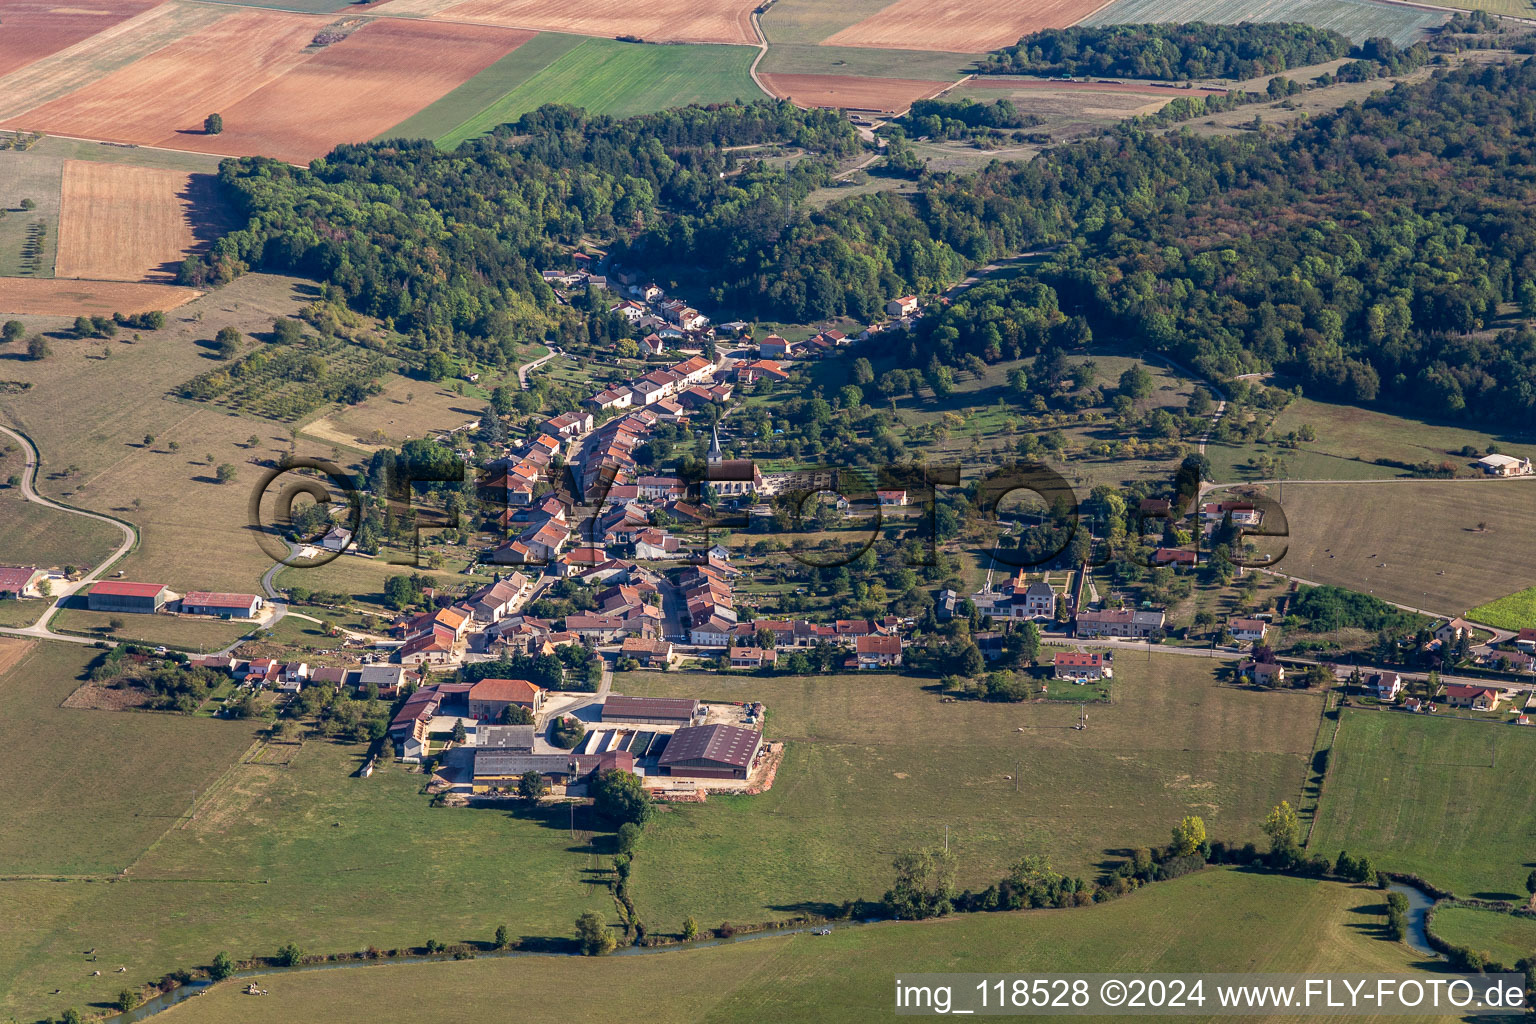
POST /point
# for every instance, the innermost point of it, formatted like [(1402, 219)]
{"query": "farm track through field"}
[(29, 492)]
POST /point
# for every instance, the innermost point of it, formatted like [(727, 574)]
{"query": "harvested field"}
[(163, 98), (1413, 542), (961, 26), (353, 90), (35, 29), (126, 223), (72, 298), (12, 650), (1358, 19), (890, 94), (107, 51), (688, 21)]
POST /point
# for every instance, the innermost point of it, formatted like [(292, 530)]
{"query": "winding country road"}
[(29, 493), (527, 368)]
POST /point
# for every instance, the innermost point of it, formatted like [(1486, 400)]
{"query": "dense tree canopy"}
[(1168, 51)]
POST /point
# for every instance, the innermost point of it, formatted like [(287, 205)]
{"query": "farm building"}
[(711, 752), (1505, 465), (18, 581), (499, 769), (650, 710), (509, 739), (121, 596), (488, 698), (1080, 666), (229, 606), (904, 306)]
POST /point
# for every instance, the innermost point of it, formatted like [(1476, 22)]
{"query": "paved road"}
[(29, 493), (526, 368)]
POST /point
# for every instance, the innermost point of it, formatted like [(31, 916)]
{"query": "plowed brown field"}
[(164, 97), (888, 94), (961, 26), (124, 223), (693, 21), (353, 90), (41, 297), (32, 29)]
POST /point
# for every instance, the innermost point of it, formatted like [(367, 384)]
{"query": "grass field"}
[(1358, 19), (193, 528), (463, 104), (18, 614), (362, 578), (93, 815), (874, 765), (1215, 920), (1506, 937), (1350, 438), (811, 21), (1514, 8), (29, 239), (1413, 542), (810, 59), (1516, 611), (191, 633), (1446, 799), (283, 845), (609, 77), (35, 535)]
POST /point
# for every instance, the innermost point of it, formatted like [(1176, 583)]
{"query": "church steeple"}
[(715, 456)]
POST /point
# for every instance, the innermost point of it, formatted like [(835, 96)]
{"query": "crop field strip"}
[(464, 104), (29, 238), (1203, 922), (1358, 19), (659, 21), (1441, 797), (352, 90), (850, 92), (1412, 542), (964, 26), (110, 50), (874, 766), (35, 29), (610, 77), (124, 223), (29, 296), (811, 21)]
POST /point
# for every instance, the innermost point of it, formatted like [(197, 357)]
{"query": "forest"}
[(1168, 52), (1367, 252)]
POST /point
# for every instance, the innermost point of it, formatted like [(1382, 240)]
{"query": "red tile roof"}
[(122, 588), (520, 690)]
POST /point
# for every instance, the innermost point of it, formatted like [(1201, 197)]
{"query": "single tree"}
[(223, 966), (13, 330), (70, 1016), (1530, 883), (1188, 836), (459, 735), (127, 1000), (690, 929), (628, 838), (593, 936), (37, 348), (290, 955), (503, 939), (530, 785), (213, 124), (225, 473)]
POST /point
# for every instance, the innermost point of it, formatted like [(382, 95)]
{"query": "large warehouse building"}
[(229, 606), (711, 752), (650, 710), (122, 596)]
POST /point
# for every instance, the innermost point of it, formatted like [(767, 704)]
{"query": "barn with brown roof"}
[(650, 710), (711, 752)]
